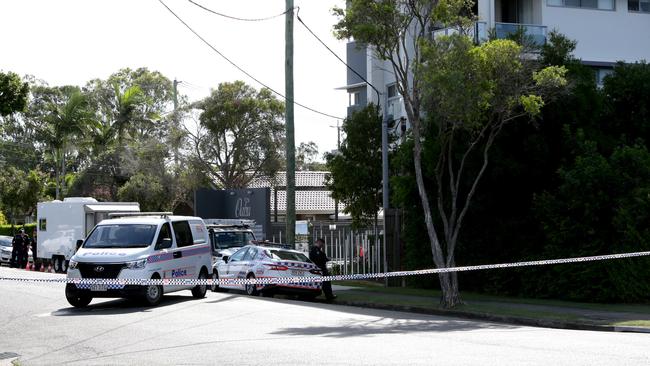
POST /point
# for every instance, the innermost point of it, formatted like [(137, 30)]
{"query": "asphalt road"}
[(37, 323)]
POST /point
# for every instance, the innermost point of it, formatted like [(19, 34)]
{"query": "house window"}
[(639, 5), (587, 4)]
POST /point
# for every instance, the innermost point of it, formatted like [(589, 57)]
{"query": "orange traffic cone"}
[(42, 267), (26, 267), (49, 268)]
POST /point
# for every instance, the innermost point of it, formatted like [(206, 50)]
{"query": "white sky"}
[(73, 41)]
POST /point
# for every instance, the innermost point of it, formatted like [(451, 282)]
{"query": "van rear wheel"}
[(199, 290)]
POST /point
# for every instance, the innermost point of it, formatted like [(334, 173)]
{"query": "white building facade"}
[(606, 31)]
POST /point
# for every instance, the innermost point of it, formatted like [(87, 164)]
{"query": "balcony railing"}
[(536, 33), (480, 32)]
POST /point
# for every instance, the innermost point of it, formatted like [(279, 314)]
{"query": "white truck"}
[(63, 225)]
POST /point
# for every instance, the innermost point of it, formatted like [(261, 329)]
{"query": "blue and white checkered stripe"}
[(317, 279)]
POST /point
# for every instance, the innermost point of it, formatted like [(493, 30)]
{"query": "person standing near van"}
[(32, 243), (317, 255), (19, 244)]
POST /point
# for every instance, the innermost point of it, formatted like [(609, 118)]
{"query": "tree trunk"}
[(450, 295), (62, 172), (448, 282), (57, 174)]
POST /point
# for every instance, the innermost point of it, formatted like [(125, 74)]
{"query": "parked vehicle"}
[(5, 249), (141, 246), (227, 236), (63, 225), (268, 261)]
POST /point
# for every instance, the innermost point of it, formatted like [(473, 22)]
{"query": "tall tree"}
[(61, 117), (355, 169), (398, 32), (306, 155), (240, 134), (13, 94), (20, 192)]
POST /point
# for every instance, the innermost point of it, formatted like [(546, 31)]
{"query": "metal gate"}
[(350, 251)]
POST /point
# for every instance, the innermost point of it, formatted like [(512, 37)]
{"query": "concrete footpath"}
[(519, 313)]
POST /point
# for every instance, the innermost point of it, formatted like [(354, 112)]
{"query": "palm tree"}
[(63, 125)]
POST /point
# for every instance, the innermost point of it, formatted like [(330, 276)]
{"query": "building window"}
[(587, 4), (394, 102), (639, 5), (391, 91), (601, 73), (354, 98)]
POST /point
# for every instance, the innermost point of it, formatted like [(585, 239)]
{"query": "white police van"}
[(140, 246)]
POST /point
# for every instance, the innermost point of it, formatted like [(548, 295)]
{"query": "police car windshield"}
[(288, 256), (121, 236), (226, 240)]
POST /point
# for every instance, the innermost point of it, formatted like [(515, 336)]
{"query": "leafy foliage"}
[(13, 94), (240, 136), (355, 178)]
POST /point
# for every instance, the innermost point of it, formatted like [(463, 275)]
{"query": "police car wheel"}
[(251, 289), (199, 290), (153, 294), (215, 277)]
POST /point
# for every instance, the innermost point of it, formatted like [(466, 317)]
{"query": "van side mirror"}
[(79, 244), (166, 243), (225, 258)]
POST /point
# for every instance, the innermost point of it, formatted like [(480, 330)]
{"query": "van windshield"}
[(225, 240), (121, 236)]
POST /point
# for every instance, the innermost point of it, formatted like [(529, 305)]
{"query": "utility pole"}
[(175, 90), (174, 118), (384, 175), (290, 141)]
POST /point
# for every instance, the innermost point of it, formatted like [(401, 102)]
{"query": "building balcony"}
[(536, 33)]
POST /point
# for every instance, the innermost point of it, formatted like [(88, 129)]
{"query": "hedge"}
[(11, 230)]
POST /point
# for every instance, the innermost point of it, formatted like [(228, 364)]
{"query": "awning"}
[(352, 86), (113, 208)]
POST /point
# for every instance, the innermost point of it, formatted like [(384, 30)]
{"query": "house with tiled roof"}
[(313, 200)]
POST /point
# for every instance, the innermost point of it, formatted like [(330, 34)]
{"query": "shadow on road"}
[(120, 306), (384, 322), (390, 325)]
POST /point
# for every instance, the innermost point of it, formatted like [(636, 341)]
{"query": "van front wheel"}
[(153, 293)]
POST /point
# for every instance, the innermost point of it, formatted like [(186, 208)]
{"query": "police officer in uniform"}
[(18, 245), (317, 255)]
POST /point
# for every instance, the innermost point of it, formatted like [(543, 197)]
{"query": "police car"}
[(140, 246), (268, 261)]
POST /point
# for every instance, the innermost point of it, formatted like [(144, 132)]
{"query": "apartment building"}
[(607, 31)]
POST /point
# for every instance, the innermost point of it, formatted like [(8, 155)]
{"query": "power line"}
[(337, 56), (237, 18), (242, 70)]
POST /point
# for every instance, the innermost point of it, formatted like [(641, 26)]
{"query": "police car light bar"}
[(139, 214)]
